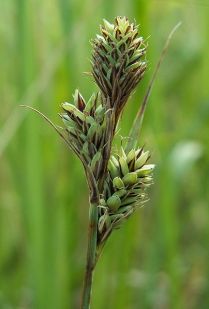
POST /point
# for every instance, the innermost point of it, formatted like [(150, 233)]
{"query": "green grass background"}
[(160, 258)]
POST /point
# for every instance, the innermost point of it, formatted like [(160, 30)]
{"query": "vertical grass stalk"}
[(91, 255)]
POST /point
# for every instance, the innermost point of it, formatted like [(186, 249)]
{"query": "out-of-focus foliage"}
[(160, 257)]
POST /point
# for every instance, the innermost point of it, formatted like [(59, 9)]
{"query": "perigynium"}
[(117, 180)]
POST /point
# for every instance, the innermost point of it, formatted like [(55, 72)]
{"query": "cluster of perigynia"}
[(117, 67)]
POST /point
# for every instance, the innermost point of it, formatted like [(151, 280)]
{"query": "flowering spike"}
[(117, 61)]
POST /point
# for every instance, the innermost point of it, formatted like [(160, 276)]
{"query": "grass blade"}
[(136, 128)]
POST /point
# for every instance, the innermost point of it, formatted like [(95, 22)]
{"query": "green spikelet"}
[(120, 192), (114, 203), (123, 166), (73, 110), (130, 156), (145, 170), (118, 63), (118, 183), (113, 169), (142, 160), (90, 104), (79, 100), (129, 177)]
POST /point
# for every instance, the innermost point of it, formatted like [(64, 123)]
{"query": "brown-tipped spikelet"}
[(85, 124), (118, 61)]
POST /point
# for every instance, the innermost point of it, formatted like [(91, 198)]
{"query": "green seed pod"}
[(118, 183), (145, 170), (73, 109), (130, 156), (114, 203), (141, 160), (90, 120), (123, 166), (120, 193), (68, 107), (123, 154), (108, 26), (115, 161), (138, 53), (113, 169), (130, 179), (90, 104), (138, 152)]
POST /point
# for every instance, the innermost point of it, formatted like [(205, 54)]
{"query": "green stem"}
[(91, 255)]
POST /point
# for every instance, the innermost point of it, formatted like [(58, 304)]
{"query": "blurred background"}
[(160, 258)]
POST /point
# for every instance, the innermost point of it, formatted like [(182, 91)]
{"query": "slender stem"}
[(91, 255), (137, 124)]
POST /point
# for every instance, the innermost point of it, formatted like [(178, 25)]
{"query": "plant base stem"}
[(91, 255)]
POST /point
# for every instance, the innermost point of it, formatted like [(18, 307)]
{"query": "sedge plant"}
[(117, 180)]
